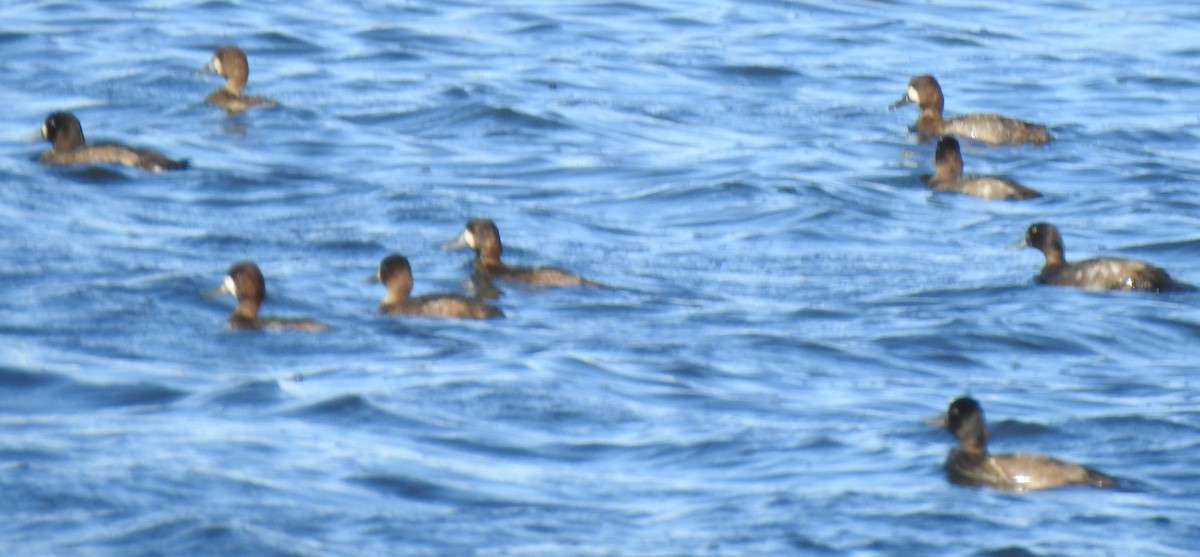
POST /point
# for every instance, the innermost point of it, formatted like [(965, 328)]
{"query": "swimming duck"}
[(972, 464), (67, 146), (949, 178), (229, 61), (482, 236), (988, 128), (245, 281), (1101, 273), (396, 274)]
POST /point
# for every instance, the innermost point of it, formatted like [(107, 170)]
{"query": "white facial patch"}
[(913, 95), (468, 238), (216, 64), (45, 132), (229, 287)]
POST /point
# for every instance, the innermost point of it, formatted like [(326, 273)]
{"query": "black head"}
[(483, 236), (245, 281), (1045, 237), (947, 150), (948, 155), (394, 266), (964, 419), (63, 130)]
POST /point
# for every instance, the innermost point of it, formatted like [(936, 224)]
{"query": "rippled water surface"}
[(790, 305)]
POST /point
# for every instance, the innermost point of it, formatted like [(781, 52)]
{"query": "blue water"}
[(790, 304)]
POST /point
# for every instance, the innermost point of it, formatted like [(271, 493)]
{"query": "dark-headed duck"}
[(229, 61), (67, 146), (396, 274), (482, 236), (988, 128), (1100, 273), (949, 178), (245, 281), (972, 464)]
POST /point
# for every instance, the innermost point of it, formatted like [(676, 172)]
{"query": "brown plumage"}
[(1101, 273), (229, 61), (245, 281), (482, 236), (949, 177), (971, 464), (988, 128), (396, 274), (67, 146)]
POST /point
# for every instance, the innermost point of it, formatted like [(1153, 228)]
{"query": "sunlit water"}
[(789, 304)]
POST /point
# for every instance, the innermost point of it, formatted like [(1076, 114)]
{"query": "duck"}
[(971, 463), (1100, 273), (483, 236), (244, 281), (395, 273), (230, 62), (67, 146), (949, 178), (984, 127)]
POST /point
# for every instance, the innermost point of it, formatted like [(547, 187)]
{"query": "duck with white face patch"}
[(995, 129), (245, 282), (483, 236), (230, 62)]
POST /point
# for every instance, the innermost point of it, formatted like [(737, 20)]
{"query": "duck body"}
[(949, 177), (234, 103), (1100, 273), (1019, 471), (230, 62), (67, 146), (995, 129), (483, 236), (395, 273), (244, 280), (1107, 273), (972, 464), (441, 305), (541, 276), (986, 187)]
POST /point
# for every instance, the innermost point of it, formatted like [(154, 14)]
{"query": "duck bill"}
[(208, 68), (903, 101), (227, 286), (1021, 243), (938, 421), (457, 243)]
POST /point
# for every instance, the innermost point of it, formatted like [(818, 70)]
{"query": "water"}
[(790, 302)]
